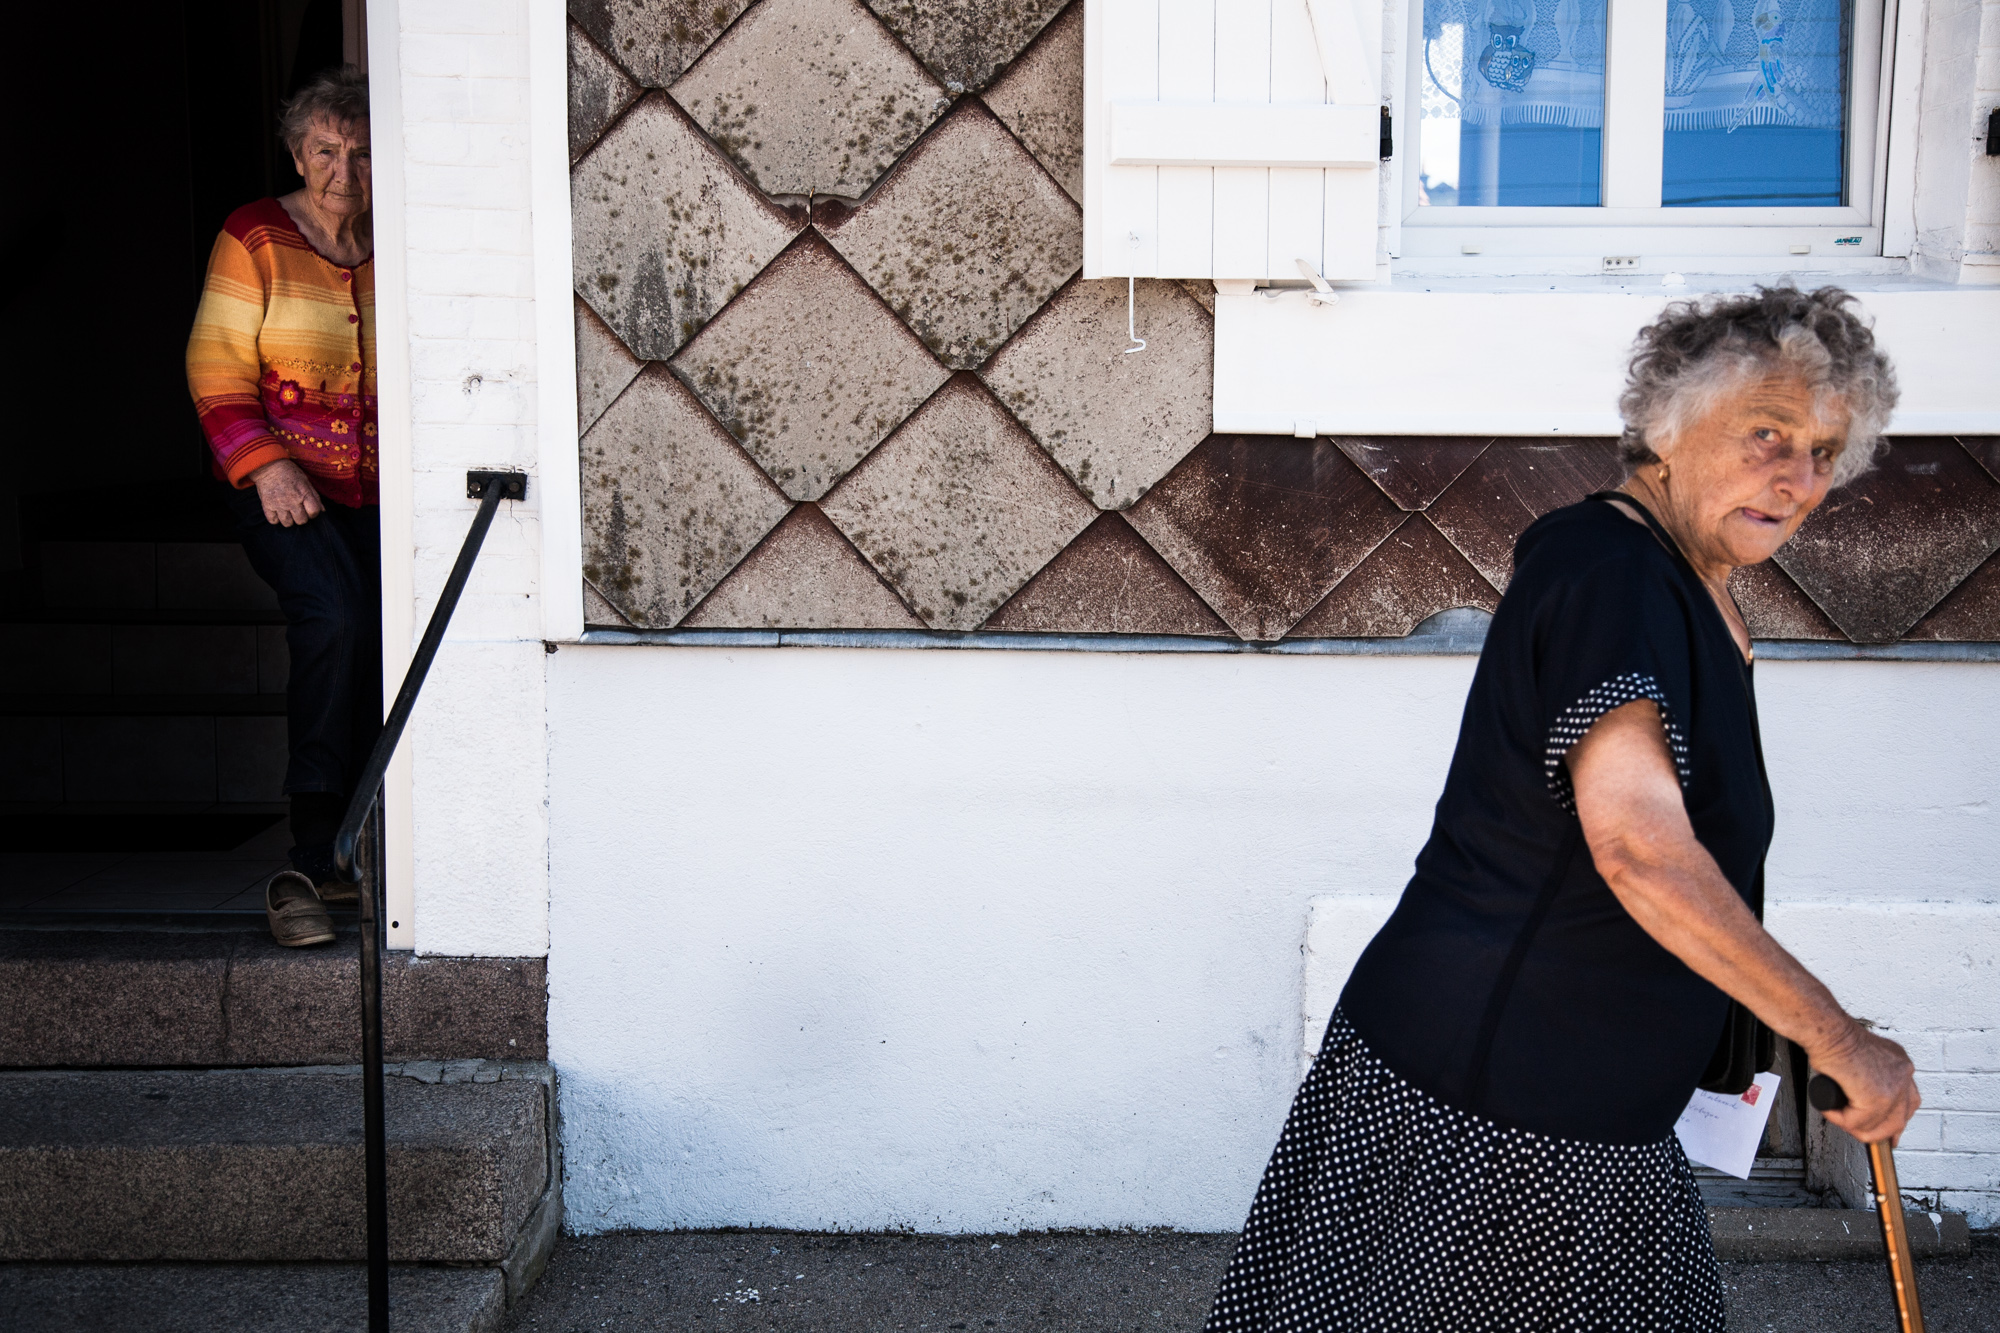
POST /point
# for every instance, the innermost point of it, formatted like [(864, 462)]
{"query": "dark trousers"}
[(328, 577)]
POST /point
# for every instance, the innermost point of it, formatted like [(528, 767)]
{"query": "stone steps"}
[(200, 1298), (232, 997), (141, 671), (266, 1166)]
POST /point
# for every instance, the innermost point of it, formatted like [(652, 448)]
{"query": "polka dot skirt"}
[(1385, 1210), (1578, 718)]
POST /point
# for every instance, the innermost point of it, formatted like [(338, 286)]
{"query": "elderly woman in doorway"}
[(1486, 1139), (282, 367)]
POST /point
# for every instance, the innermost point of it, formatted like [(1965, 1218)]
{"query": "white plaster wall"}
[(968, 941), (1958, 186), (477, 741)]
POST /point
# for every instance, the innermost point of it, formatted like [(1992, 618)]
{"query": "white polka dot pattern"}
[(1385, 1210), (1575, 720)]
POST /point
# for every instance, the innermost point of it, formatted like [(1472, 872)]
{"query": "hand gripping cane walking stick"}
[(1826, 1095)]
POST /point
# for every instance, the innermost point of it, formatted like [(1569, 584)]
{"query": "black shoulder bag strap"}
[(1746, 1047)]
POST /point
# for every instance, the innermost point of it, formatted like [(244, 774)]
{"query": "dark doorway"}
[(142, 663)]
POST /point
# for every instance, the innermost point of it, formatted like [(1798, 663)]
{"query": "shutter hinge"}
[(1388, 135)]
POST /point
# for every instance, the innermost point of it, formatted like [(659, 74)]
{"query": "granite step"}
[(206, 999), (199, 1298), (266, 1166)]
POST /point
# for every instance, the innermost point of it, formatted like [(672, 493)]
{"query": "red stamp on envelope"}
[(1752, 1093)]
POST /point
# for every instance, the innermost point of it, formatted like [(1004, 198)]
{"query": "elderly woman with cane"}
[(282, 367), (1486, 1139)]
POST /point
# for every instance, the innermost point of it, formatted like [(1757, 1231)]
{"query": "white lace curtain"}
[(1730, 63)]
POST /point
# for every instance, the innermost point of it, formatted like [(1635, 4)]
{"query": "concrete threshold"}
[(1827, 1235)]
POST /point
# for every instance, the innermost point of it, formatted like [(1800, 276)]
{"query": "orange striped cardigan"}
[(282, 358)]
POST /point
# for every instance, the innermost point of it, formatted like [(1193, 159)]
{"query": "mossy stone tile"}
[(808, 370), (1512, 484), (811, 97), (965, 239), (1405, 581), (655, 40), (1970, 613), (805, 575), (603, 366), (1774, 607), (1881, 551), (965, 42), (599, 92), (1264, 526), (1108, 581), (1117, 423), (670, 504), (958, 508), (1413, 470), (665, 230), (1040, 98)]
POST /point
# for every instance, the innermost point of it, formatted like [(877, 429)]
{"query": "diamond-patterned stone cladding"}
[(670, 504), (1969, 613), (1409, 578), (665, 230), (1040, 98), (603, 367), (655, 39), (958, 508), (966, 41), (598, 92), (1413, 470), (811, 96), (1880, 552), (965, 239), (1511, 485), (598, 610), (666, 219), (1116, 423), (1263, 527), (1773, 607), (803, 576), (808, 370), (1108, 581)]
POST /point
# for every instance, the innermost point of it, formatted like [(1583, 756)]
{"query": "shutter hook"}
[(1131, 302), (1322, 292)]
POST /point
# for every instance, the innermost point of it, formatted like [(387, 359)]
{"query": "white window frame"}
[(1631, 224)]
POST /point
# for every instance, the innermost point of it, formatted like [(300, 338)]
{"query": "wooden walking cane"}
[(1827, 1095)]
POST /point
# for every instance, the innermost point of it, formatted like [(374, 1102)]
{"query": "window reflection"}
[(1756, 102), (1513, 102)]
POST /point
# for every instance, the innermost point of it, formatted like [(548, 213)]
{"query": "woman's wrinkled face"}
[(333, 159), (1746, 473)]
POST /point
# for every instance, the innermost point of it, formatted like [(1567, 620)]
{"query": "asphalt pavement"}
[(1152, 1282)]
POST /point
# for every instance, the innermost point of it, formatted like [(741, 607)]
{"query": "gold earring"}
[(1662, 473)]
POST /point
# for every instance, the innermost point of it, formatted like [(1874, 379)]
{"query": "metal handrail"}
[(489, 488)]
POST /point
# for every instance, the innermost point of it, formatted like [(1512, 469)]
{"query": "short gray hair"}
[(336, 95), (1700, 349)]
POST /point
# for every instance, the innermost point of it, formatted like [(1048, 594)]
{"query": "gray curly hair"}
[(1700, 349), (338, 95)]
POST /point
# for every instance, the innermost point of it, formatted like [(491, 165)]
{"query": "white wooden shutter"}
[(1229, 139)]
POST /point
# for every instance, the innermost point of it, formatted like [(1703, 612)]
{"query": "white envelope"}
[(1722, 1131)]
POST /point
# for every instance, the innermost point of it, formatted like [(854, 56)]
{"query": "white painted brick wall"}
[(478, 738)]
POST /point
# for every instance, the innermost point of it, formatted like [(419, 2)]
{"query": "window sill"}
[(1543, 354)]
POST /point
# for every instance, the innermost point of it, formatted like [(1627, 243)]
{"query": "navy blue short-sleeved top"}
[(1510, 982)]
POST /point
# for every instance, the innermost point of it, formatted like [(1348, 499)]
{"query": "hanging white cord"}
[(1131, 327)]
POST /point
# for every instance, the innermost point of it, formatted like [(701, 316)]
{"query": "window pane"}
[(1513, 102), (1756, 102)]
